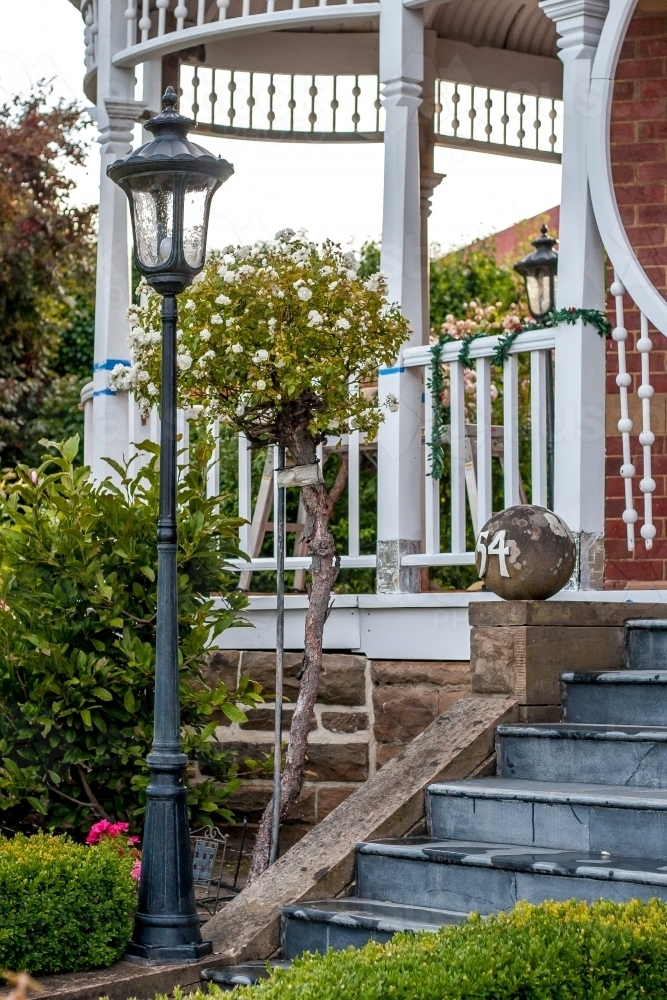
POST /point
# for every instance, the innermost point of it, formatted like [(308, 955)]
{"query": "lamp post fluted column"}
[(169, 182)]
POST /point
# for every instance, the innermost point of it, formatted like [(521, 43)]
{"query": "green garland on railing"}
[(436, 383)]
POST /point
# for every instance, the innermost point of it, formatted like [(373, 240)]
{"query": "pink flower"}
[(98, 831), (116, 829), (135, 871), (132, 841)]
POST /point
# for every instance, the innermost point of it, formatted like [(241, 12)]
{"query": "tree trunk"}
[(322, 549)]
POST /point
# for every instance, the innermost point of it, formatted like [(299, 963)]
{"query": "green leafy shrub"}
[(78, 592), (64, 907), (554, 951)]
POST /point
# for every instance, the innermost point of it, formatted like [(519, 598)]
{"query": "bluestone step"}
[(623, 820), (602, 755), (231, 976), (617, 697), (465, 876), (339, 923), (646, 643)]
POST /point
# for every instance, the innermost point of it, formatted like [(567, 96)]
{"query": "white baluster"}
[(431, 486), (511, 430), (201, 11), (538, 426), (484, 478), (647, 437), (270, 6), (131, 17), (624, 381), (180, 13), (213, 469), (245, 491), (145, 22), (353, 441), (457, 436), (245, 8), (88, 37), (296, 4), (222, 9), (162, 6), (94, 29)]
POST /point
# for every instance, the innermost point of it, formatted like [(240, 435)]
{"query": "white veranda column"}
[(400, 389), (116, 114), (579, 437)]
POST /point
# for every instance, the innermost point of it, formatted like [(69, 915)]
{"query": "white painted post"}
[(538, 426), (511, 430), (457, 437), (431, 486), (400, 389), (353, 483), (116, 114), (579, 434), (484, 471)]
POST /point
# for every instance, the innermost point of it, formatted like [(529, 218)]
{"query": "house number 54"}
[(496, 547)]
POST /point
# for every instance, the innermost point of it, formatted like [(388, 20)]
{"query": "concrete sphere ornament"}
[(525, 553)]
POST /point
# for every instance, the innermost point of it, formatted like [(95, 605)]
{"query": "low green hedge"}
[(64, 907), (554, 951)]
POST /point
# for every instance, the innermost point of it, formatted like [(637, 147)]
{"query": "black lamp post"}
[(169, 183), (539, 270)]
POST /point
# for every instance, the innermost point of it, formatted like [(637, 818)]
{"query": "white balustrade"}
[(162, 7)]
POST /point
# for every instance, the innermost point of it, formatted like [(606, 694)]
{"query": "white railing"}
[(474, 445), (156, 27), (90, 31)]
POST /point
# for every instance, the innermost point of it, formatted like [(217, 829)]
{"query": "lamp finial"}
[(170, 99)]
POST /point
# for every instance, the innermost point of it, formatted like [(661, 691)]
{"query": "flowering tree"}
[(282, 341)]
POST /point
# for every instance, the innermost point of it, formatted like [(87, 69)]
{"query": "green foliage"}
[(278, 336), (78, 571), (369, 259), (47, 262), (554, 951), (64, 907), (466, 276)]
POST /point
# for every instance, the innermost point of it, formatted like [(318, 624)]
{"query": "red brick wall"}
[(639, 166)]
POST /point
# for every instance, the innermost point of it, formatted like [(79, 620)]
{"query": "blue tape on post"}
[(106, 366), (391, 371)]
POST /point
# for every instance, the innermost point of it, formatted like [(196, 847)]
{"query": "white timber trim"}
[(174, 41), (603, 196)]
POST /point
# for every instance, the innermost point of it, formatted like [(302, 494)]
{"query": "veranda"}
[(530, 79)]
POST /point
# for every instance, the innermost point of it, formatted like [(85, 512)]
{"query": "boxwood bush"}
[(554, 951), (64, 907)]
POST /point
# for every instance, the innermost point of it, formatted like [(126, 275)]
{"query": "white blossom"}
[(260, 384), (326, 270), (260, 356), (315, 318), (342, 323), (229, 277), (152, 389), (333, 286), (156, 337), (237, 349), (285, 234), (304, 293), (246, 270), (223, 300), (240, 409), (205, 335), (179, 335), (184, 361), (271, 322), (391, 402), (143, 376), (281, 363), (374, 282), (190, 305), (229, 258), (217, 319)]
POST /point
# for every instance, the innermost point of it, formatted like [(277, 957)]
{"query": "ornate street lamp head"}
[(170, 182), (538, 271)]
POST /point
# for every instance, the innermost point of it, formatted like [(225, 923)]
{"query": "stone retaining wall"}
[(367, 712)]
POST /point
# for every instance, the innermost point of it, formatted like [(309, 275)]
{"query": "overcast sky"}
[(331, 191)]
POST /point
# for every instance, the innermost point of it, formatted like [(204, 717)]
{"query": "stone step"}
[(229, 977), (468, 876), (339, 923), (603, 755), (616, 697), (628, 821), (645, 643)]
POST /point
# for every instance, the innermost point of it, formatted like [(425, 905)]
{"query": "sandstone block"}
[(402, 711), (222, 665), (337, 762), (342, 681), (345, 722), (527, 661), (387, 751), (586, 614), (454, 673), (262, 719)]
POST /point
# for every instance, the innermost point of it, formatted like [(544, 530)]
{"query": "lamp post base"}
[(152, 954)]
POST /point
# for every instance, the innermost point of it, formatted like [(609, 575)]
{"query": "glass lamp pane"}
[(153, 204), (198, 191), (538, 287)]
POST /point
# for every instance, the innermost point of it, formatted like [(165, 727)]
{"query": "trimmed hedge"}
[(64, 907), (554, 951)]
